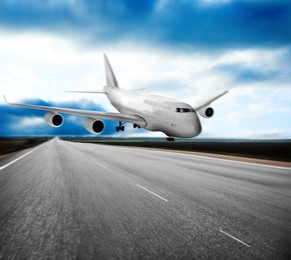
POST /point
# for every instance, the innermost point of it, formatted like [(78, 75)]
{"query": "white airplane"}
[(152, 112)]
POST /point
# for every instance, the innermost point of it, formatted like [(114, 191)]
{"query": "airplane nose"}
[(196, 126), (192, 128)]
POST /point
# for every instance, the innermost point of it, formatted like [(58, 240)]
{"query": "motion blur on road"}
[(66, 200)]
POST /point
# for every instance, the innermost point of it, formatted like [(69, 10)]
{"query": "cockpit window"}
[(184, 110)]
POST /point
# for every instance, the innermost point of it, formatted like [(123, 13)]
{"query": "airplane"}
[(151, 112)]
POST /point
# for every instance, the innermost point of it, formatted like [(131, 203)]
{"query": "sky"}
[(187, 50)]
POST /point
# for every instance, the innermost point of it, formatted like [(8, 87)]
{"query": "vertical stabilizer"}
[(110, 77)]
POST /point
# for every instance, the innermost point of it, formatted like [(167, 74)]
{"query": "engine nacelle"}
[(53, 119), (94, 126), (206, 112)]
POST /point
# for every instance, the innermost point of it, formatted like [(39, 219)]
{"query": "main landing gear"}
[(170, 139), (120, 127)]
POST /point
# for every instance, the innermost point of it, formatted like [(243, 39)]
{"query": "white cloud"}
[(160, 5), (31, 122)]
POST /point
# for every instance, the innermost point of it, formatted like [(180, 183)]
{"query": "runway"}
[(66, 200)]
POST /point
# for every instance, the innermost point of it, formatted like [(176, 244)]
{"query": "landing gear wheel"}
[(120, 127), (170, 139)]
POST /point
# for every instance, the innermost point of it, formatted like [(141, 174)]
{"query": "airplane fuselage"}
[(170, 116)]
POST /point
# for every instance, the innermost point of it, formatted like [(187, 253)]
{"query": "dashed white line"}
[(17, 159), (152, 192), (234, 238), (101, 165)]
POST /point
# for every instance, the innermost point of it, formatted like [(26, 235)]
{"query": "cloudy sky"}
[(184, 49)]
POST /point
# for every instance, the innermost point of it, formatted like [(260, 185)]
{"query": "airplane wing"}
[(208, 101), (94, 114)]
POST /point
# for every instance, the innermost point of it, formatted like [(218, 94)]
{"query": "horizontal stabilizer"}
[(87, 91)]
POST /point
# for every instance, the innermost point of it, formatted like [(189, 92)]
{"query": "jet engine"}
[(53, 119), (93, 125), (206, 112)]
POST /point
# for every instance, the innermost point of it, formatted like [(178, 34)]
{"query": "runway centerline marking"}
[(101, 165), (152, 192), (17, 159), (234, 238)]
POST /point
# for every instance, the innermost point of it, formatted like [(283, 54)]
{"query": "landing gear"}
[(120, 127), (135, 126), (170, 139)]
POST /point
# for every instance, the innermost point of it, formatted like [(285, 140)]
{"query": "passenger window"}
[(184, 110)]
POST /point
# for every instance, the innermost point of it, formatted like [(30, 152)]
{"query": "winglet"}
[(5, 99), (110, 77)]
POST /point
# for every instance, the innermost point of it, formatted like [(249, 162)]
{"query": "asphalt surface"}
[(67, 200)]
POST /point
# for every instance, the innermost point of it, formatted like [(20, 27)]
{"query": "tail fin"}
[(110, 77)]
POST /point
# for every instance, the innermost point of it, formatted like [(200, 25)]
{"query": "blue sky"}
[(181, 49)]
